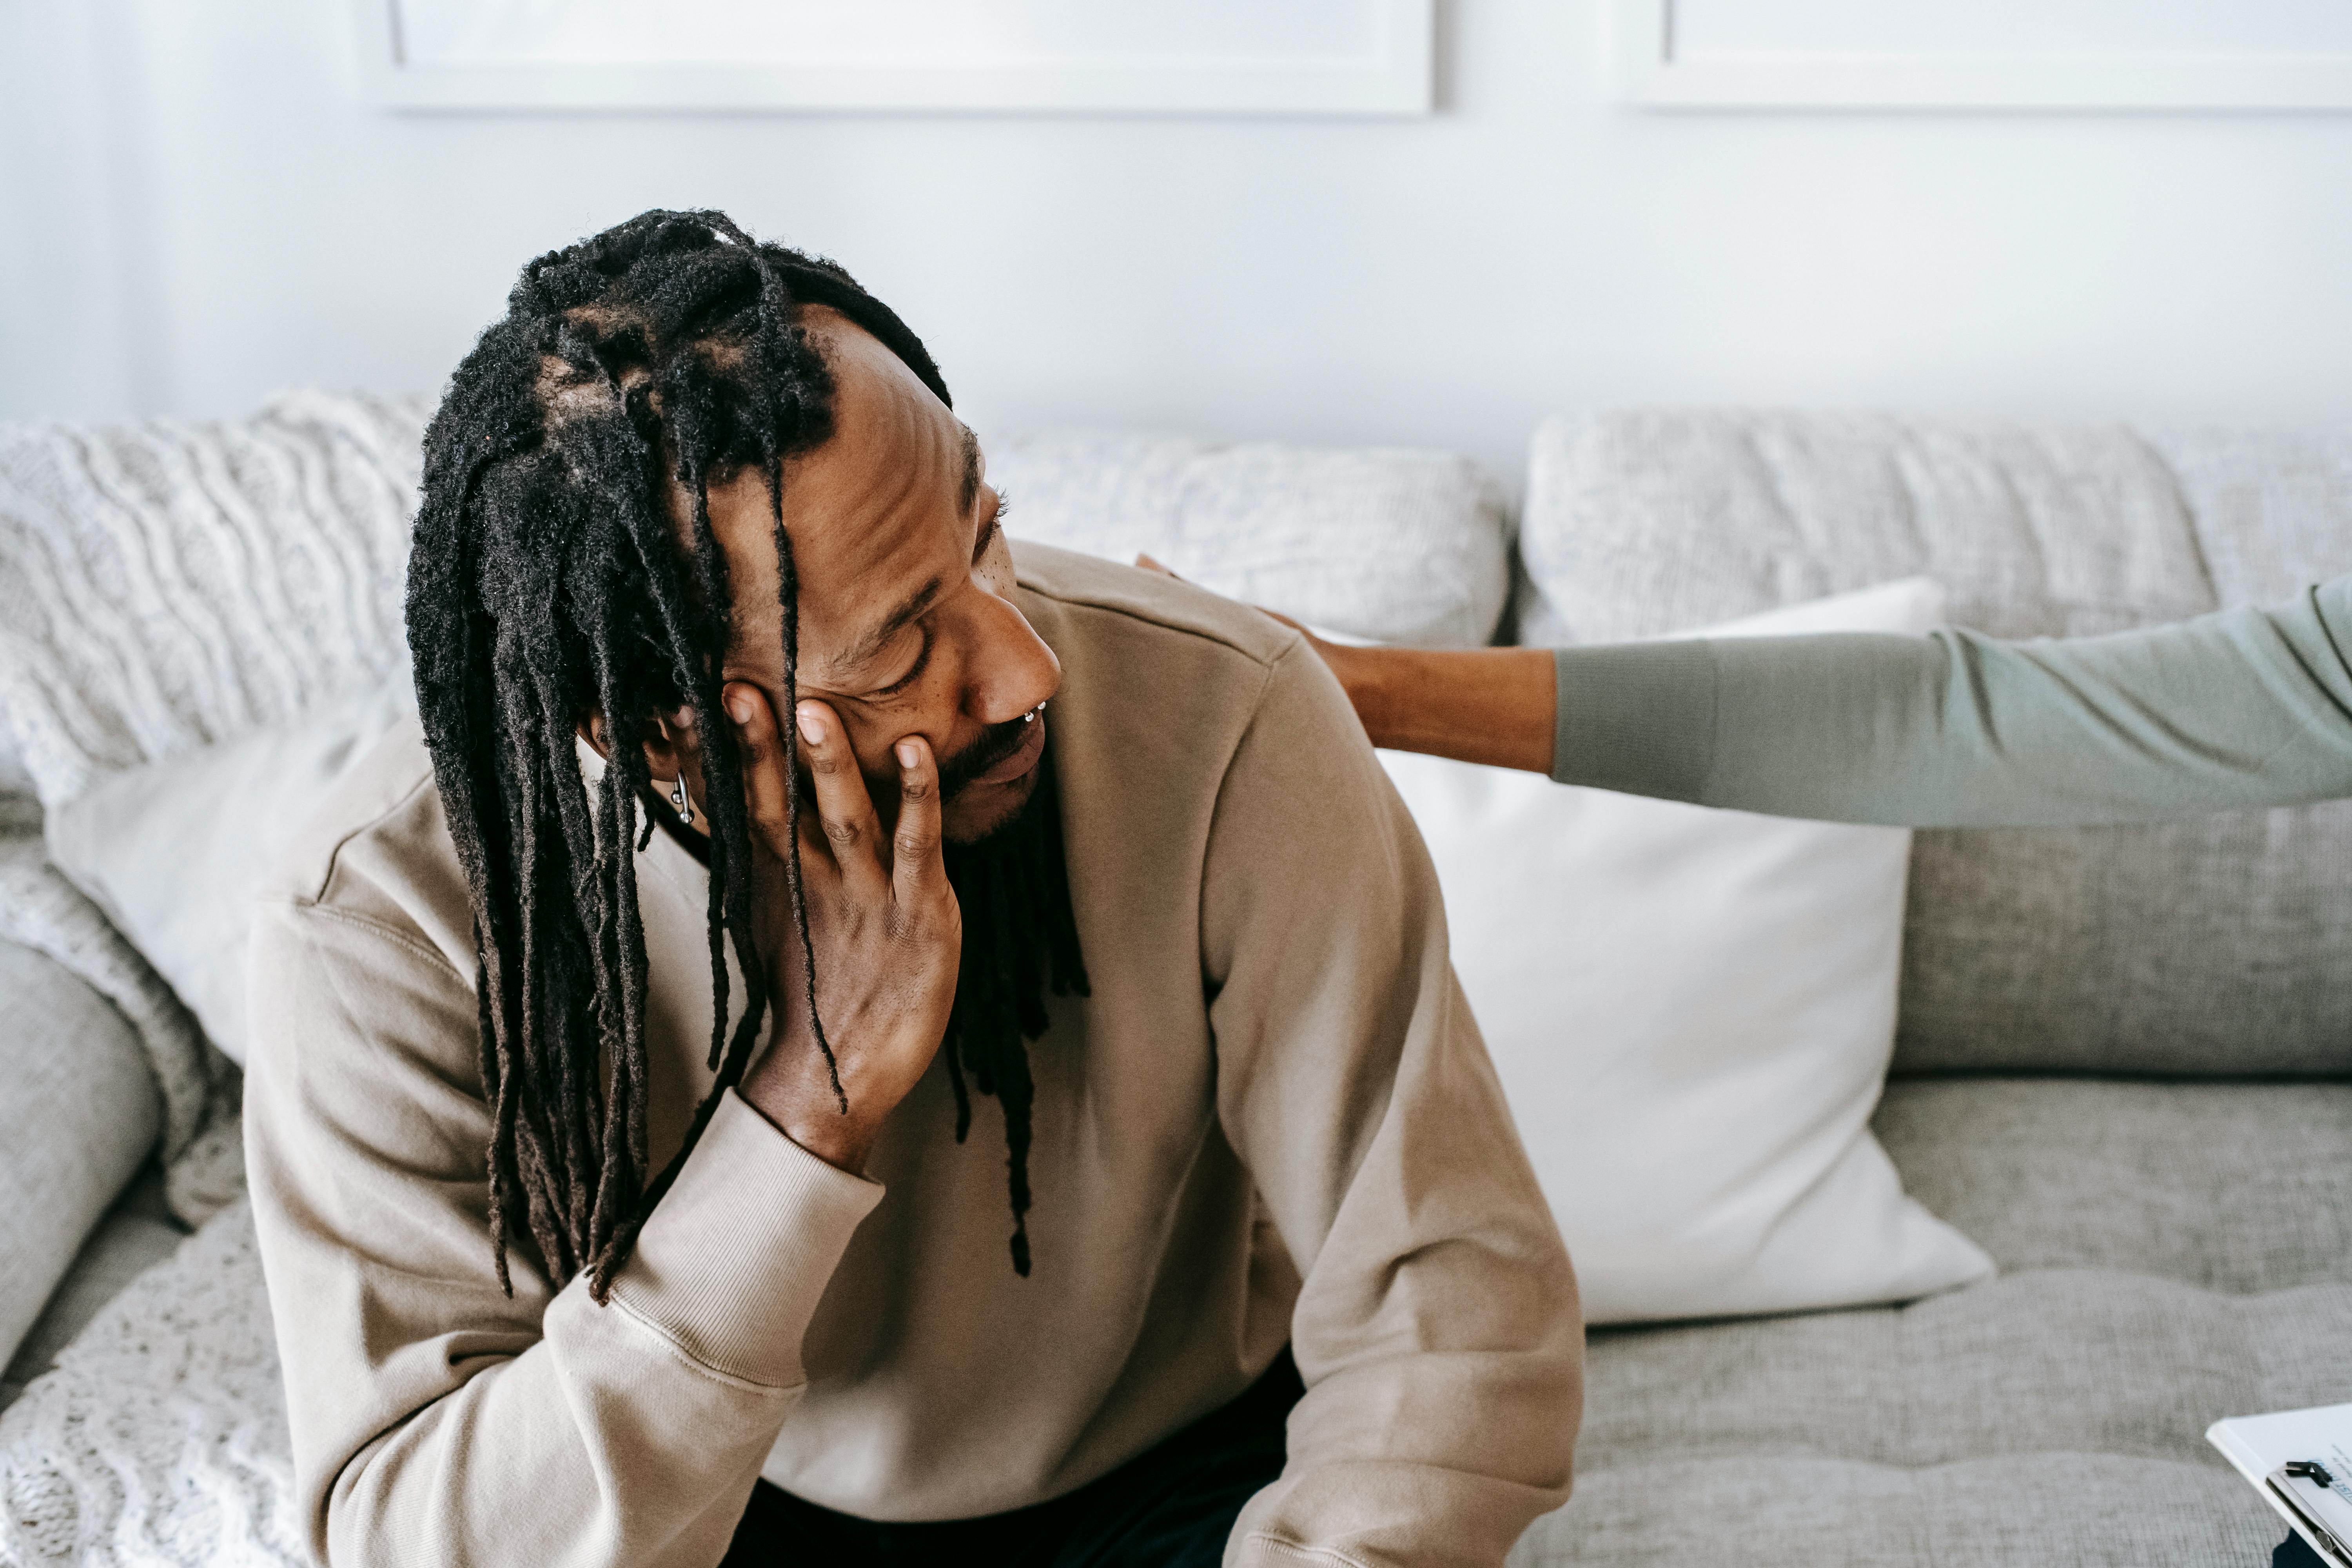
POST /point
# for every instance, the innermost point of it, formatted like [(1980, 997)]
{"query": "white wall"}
[(198, 210)]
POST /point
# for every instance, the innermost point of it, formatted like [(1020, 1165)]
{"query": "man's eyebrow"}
[(970, 490)]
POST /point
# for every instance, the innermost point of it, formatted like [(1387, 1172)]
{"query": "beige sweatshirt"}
[(1273, 1121)]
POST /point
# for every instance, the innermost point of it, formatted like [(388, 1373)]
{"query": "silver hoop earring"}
[(677, 798)]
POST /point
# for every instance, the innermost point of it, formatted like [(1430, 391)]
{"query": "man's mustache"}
[(989, 747)]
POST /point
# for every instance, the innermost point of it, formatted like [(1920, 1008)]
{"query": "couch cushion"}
[(1383, 542), (2043, 1360), (1976, 1428), (2231, 1187), (2216, 946), (2063, 1511), (2212, 947), (2053, 1415)]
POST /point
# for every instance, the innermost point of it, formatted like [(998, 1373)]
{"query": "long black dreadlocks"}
[(656, 359)]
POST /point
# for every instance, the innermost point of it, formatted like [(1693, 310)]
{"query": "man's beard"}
[(1020, 941)]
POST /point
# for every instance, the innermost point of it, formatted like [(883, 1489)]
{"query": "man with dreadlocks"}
[(618, 1025)]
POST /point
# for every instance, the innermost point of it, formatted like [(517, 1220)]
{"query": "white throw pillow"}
[(175, 851), (1692, 1012)]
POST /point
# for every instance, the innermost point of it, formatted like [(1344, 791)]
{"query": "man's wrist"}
[(1363, 673), (834, 1138), (840, 1138), (1492, 706)]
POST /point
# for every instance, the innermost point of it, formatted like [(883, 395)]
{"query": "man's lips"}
[(1021, 759)]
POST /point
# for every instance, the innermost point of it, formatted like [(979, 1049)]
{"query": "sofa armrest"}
[(79, 1115)]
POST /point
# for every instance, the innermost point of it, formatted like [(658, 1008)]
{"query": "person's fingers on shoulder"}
[(918, 871), (844, 812)]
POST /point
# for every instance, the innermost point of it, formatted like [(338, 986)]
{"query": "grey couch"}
[(2126, 1062), (2125, 1065)]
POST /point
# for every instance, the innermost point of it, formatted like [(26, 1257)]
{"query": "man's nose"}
[(1012, 670)]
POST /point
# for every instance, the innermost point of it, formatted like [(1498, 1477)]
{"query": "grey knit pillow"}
[(1389, 544)]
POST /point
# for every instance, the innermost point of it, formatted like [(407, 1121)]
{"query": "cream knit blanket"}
[(159, 1440)]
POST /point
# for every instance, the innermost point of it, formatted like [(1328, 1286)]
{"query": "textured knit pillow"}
[(167, 586), (1692, 1012)]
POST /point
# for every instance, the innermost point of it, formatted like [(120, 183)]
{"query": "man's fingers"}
[(917, 872), (766, 767), (844, 812)]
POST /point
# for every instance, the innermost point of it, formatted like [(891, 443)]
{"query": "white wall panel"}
[(209, 210), (2078, 55), (1203, 56)]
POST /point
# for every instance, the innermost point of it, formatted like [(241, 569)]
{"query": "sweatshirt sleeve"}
[(2237, 709), (434, 1419), (1436, 1325)]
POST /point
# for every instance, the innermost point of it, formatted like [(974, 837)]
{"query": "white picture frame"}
[(1393, 79), (1648, 75)]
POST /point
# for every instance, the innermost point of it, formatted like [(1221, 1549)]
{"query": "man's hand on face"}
[(883, 923)]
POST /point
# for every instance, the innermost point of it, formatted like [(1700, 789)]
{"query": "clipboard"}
[(2301, 1463)]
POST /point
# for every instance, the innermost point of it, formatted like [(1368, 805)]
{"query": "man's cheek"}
[(995, 569)]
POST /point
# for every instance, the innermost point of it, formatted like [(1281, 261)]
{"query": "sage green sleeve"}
[(2236, 710)]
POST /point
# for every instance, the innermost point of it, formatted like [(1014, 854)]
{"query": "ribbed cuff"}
[(1636, 716), (732, 1260)]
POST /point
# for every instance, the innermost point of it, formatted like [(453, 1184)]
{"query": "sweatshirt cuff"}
[(1635, 717), (732, 1260)]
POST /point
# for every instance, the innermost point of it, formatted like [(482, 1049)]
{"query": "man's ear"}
[(669, 743)]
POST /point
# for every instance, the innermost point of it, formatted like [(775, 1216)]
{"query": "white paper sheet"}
[(2257, 1444)]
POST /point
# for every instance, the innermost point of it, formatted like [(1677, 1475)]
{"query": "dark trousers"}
[(2294, 1551), (1170, 1507)]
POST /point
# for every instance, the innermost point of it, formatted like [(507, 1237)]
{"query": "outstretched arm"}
[(1491, 705), (2232, 711)]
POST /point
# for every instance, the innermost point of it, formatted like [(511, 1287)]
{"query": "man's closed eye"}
[(914, 672)]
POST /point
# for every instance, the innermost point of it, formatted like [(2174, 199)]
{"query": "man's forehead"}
[(890, 613), (878, 396), (867, 512)]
